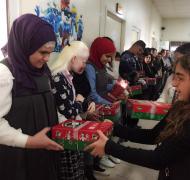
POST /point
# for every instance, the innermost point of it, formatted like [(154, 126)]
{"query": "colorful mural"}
[(67, 24)]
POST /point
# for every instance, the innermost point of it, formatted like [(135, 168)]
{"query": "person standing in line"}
[(171, 156), (70, 105), (26, 103)]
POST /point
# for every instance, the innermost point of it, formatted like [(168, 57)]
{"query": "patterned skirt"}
[(71, 165)]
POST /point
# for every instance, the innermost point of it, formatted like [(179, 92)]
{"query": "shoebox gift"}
[(144, 109), (118, 91), (135, 90), (77, 134), (119, 87), (111, 112)]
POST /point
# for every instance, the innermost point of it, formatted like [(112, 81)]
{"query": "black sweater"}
[(172, 154)]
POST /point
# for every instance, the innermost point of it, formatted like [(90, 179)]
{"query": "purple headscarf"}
[(27, 35)]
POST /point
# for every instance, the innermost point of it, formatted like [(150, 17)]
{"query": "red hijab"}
[(99, 47)]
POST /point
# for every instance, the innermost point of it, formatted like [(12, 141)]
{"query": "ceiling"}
[(173, 8)]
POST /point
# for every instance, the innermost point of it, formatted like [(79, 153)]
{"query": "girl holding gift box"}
[(172, 135), (27, 104), (72, 59), (147, 64), (150, 92), (102, 51)]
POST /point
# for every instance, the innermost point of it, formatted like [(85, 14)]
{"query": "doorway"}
[(114, 29)]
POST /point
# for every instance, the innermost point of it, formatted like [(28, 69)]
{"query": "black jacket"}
[(128, 66), (171, 157)]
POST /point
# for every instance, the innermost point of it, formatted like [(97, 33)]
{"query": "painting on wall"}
[(66, 22)]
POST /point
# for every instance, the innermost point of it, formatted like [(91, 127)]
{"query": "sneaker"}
[(106, 162), (99, 170), (115, 160)]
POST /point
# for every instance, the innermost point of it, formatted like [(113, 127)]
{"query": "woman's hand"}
[(107, 120), (97, 148), (42, 141), (113, 98), (93, 116), (123, 97), (91, 107), (79, 97)]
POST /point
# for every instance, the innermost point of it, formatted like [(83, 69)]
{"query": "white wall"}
[(176, 29), (138, 13), (3, 29), (14, 11), (144, 16)]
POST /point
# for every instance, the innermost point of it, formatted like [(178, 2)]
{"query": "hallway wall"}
[(139, 14), (176, 29)]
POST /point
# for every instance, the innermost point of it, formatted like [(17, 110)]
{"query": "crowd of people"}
[(36, 95)]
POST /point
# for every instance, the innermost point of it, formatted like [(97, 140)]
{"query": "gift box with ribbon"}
[(111, 112), (144, 109), (118, 91), (77, 134), (119, 87), (135, 90)]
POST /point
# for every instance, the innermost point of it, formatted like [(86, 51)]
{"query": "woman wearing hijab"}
[(27, 104), (102, 52)]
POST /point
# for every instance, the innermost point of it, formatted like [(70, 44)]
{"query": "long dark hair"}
[(179, 114)]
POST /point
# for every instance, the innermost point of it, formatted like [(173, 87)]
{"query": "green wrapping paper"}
[(143, 109)]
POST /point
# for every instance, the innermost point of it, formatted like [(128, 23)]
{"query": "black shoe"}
[(101, 171), (89, 174), (98, 168), (138, 127)]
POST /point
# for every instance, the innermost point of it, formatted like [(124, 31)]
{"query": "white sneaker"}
[(115, 160), (106, 162)]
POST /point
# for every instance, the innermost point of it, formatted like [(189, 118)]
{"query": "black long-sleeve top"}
[(149, 70), (172, 153), (82, 86), (128, 66), (64, 97)]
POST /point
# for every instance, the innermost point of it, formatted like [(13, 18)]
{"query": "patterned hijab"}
[(99, 47), (27, 35)]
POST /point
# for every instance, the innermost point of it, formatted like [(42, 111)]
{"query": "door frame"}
[(116, 17)]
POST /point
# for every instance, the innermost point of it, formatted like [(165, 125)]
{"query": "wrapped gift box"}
[(111, 112), (144, 109), (77, 134), (119, 87), (150, 81), (135, 90)]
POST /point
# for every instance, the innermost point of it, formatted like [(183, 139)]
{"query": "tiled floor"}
[(126, 171)]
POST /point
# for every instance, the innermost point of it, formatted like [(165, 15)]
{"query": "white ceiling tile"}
[(173, 8)]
